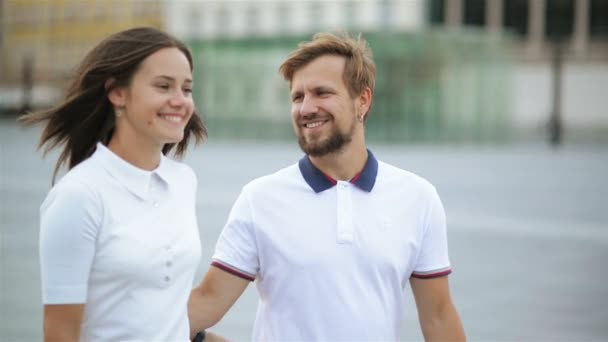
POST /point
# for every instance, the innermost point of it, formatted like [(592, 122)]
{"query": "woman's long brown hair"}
[(86, 115)]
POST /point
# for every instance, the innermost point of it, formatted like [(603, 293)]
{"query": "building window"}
[(350, 14), (475, 12), (194, 21), (283, 17), (436, 11), (515, 16), (141, 9), (253, 19), (316, 15), (386, 14), (222, 21), (2, 34), (559, 16), (598, 18)]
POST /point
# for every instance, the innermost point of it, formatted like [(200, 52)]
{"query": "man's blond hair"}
[(359, 70)]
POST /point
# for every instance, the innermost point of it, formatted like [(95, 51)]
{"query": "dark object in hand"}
[(200, 337)]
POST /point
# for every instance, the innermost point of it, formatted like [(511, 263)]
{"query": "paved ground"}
[(528, 229)]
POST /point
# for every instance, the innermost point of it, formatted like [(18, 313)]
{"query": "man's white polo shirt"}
[(331, 259), (124, 242)]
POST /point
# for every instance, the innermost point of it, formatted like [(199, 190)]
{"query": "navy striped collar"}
[(319, 181)]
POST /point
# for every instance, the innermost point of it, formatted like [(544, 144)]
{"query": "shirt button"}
[(169, 263), (155, 204), (167, 278)]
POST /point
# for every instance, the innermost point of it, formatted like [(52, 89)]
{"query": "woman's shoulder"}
[(73, 207), (179, 170), (87, 173), (76, 186)]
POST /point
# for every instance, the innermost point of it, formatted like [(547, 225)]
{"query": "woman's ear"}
[(116, 95)]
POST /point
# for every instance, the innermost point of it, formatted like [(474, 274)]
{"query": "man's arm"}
[(210, 301), (438, 317)]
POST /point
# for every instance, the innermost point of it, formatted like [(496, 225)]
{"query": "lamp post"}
[(28, 84), (555, 119)]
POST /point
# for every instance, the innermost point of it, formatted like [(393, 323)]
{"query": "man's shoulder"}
[(392, 175), (281, 179)]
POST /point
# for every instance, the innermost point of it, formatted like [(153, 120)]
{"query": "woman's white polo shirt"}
[(124, 242)]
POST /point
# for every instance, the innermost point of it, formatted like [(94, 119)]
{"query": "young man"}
[(333, 240)]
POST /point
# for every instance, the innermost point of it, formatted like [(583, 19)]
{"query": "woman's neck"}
[(140, 154)]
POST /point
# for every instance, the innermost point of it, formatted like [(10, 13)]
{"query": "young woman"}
[(119, 243)]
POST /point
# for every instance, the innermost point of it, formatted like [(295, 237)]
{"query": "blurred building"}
[(238, 46), (538, 32), (461, 64), (52, 36), (204, 19), (526, 32), (580, 25)]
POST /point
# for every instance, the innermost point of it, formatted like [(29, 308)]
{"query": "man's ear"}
[(116, 95), (365, 100)]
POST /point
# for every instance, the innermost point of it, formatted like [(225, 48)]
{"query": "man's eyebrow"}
[(325, 88)]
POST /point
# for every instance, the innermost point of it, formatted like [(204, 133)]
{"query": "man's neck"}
[(345, 164)]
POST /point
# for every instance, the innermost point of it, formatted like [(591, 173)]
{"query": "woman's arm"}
[(70, 219), (62, 322), (210, 301)]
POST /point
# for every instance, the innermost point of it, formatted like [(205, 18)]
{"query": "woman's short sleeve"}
[(70, 218)]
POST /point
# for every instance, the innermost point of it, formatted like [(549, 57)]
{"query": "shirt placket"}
[(157, 193), (345, 213)]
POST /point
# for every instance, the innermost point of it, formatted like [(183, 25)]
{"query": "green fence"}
[(430, 87)]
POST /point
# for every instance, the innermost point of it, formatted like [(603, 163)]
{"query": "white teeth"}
[(172, 118), (314, 124)]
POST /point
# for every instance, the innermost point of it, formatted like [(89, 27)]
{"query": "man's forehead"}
[(326, 70), (316, 84), (323, 63)]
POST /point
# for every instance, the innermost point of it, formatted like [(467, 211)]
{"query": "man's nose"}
[(308, 106)]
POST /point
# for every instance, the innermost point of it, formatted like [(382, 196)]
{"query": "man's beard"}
[(335, 143)]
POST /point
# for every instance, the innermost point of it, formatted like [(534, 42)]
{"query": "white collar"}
[(136, 180)]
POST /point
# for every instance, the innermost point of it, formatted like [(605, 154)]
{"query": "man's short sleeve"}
[(433, 260), (69, 220), (236, 250)]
